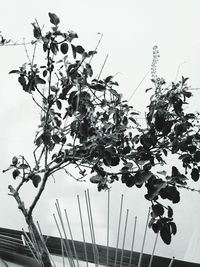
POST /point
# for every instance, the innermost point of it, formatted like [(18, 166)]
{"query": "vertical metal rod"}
[(145, 233), (83, 234), (35, 245), (171, 262), (31, 244), (69, 259), (118, 233), (42, 238), (133, 241), (154, 247), (74, 248), (108, 227), (90, 226), (65, 235), (124, 238), (62, 248)]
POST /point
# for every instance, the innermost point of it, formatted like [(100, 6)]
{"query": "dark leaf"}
[(114, 92), (197, 156), (142, 177), (46, 138), (36, 179), (16, 173), (89, 70), (23, 166), (54, 49), (64, 48), (130, 181), (80, 49), (54, 18), (173, 228), (170, 212), (15, 72), (91, 53), (39, 80), (58, 104), (133, 120), (195, 174), (14, 161), (98, 87), (96, 179), (159, 121), (36, 32), (165, 152), (175, 171), (156, 227), (73, 51), (108, 79), (158, 209), (44, 74), (184, 80), (165, 234), (56, 138), (115, 161), (187, 94)]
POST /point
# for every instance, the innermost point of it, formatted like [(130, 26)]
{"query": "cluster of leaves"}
[(86, 123)]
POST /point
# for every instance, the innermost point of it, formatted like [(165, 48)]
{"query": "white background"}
[(131, 29)]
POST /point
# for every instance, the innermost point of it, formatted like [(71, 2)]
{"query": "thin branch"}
[(26, 51), (38, 104), (20, 203), (41, 189), (34, 51), (139, 85), (102, 67), (96, 47), (18, 44)]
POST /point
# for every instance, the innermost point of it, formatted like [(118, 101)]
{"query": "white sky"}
[(131, 28)]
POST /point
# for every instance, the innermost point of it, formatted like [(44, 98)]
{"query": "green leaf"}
[(64, 48), (54, 18), (36, 179), (16, 173)]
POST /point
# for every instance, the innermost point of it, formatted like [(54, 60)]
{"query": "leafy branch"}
[(102, 138)]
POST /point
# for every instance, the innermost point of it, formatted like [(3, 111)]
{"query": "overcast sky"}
[(130, 29)]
